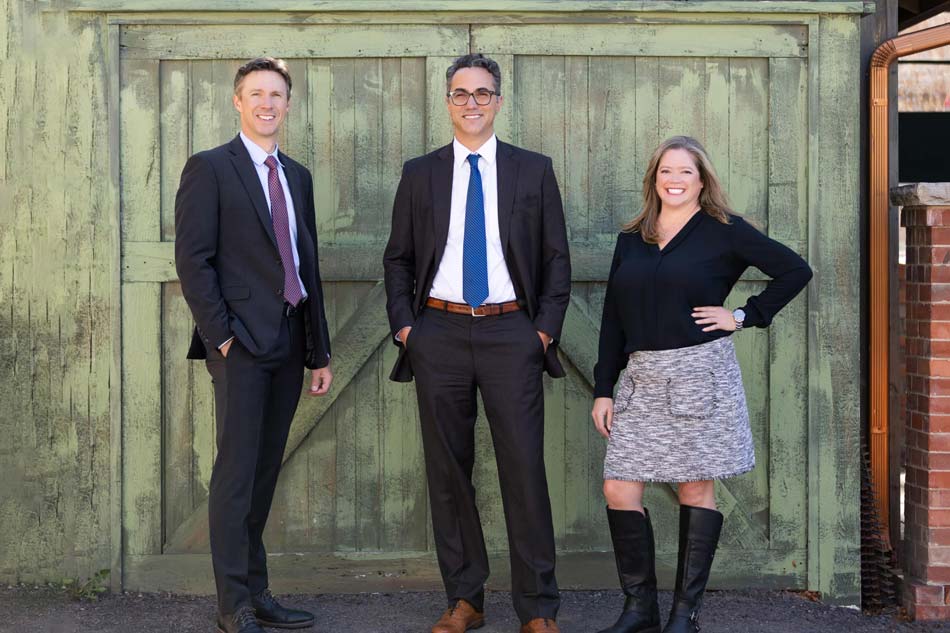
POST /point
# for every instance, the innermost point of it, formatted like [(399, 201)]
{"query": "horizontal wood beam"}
[(313, 572), (227, 41), (155, 262), (655, 40), (502, 6)]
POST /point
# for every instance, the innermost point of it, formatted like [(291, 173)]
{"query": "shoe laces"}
[(267, 599), (245, 616)]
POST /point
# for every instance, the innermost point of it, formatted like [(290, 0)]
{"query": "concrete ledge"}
[(921, 194)]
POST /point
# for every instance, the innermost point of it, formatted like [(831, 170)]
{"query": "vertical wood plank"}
[(177, 421), (369, 466), (438, 124), (413, 121), (175, 148), (505, 122), (575, 175), (343, 112), (527, 81), (788, 392), (748, 138), (404, 493), (320, 86), (647, 114), (716, 112), (141, 312), (214, 121), (296, 138), (834, 298), (368, 131), (681, 88)]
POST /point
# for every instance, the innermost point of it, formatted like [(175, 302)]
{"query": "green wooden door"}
[(351, 508), (598, 99)]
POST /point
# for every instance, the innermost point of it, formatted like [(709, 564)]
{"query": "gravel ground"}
[(29, 610)]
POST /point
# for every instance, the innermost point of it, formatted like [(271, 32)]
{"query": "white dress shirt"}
[(258, 156), (447, 284)]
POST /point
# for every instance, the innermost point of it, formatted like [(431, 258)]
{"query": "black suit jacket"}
[(227, 258), (533, 237)]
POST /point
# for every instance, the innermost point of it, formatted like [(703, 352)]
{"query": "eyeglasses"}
[(460, 97)]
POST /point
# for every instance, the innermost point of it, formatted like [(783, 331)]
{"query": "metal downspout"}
[(881, 61)]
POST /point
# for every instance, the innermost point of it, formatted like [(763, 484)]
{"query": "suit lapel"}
[(507, 175), (252, 184), (442, 172)]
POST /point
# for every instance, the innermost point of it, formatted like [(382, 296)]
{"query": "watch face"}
[(738, 314)]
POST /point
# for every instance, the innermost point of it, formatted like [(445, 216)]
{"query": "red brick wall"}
[(927, 441)]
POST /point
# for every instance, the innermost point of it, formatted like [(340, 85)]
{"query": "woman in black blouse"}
[(680, 413)]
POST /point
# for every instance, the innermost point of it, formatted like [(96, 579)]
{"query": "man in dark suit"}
[(246, 254), (478, 279)]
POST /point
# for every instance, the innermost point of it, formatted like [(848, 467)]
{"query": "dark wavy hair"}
[(474, 60), (279, 66)]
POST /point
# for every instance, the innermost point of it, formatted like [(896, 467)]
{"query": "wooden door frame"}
[(833, 544)]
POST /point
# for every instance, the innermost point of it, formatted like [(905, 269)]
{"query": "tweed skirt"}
[(681, 415)]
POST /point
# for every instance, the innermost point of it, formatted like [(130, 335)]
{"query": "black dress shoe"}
[(241, 621), (270, 613)]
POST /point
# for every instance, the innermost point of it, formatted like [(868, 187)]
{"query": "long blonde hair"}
[(712, 198)]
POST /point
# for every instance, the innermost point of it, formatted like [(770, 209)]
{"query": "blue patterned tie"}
[(474, 256)]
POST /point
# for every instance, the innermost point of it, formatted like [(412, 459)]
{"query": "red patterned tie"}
[(278, 213)]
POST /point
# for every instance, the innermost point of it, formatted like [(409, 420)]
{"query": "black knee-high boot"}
[(634, 549), (699, 536)]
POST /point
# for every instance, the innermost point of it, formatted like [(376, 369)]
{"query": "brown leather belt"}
[(487, 309)]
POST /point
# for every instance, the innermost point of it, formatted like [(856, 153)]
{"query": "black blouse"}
[(651, 292)]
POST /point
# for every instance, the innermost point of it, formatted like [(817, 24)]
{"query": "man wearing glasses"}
[(478, 279)]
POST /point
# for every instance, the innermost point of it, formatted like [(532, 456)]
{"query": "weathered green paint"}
[(443, 6), (111, 467), (834, 365)]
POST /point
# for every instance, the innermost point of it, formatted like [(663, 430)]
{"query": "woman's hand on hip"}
[(714, 318), (603, 414)]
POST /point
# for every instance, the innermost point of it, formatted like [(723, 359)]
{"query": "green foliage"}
[(89, 589)]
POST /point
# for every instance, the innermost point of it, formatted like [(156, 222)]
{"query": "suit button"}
[(280, 291)]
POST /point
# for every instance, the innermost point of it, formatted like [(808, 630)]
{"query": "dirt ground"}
[(44, 610)]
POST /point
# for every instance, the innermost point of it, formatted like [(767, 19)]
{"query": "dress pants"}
[(502, 357), (255, 401)]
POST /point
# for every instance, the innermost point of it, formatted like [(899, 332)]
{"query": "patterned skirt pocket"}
[(624, 393), (692, 395)]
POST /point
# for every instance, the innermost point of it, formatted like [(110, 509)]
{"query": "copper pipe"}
[(881, 61)]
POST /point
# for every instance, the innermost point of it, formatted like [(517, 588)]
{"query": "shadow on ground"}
[(44, 610)]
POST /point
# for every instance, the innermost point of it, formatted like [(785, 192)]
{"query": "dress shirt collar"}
[(486, 151), (258, 155)]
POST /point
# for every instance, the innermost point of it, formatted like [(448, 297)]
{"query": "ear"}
[(236, 100)]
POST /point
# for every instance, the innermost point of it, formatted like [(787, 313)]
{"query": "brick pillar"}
[(926, 216)]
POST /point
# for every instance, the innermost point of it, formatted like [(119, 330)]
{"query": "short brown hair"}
[(474, 60), (262, 63)]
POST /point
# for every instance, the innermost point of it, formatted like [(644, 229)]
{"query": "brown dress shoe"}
[(540, 625), (459, 618)]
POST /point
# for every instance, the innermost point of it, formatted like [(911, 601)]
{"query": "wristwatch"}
[(739, 315)]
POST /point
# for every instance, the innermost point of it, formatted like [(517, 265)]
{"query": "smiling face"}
[(474, 124), (677, 181), (263, 101)]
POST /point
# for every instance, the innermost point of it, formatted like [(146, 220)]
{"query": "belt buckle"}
[(477, 315)]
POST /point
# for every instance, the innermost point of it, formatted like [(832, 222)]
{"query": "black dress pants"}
[(452, 355), (255, 401)]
